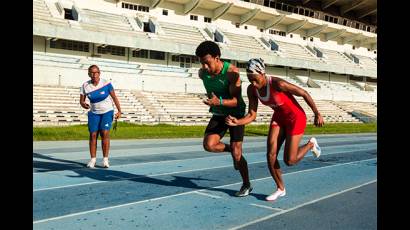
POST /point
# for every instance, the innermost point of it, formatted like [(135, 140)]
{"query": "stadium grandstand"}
[(146, 48)]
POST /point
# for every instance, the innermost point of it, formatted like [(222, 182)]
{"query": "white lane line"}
[(187, 151), (301, 205), (185, 193), (83, 153), (216, 155), (196, 142), (268, 207), (76, 160), (206, 194), (162, 174)]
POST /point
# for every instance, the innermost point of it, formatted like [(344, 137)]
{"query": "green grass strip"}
[(134, 131)]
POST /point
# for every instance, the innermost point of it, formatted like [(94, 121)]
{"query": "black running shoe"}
[(244, 191)]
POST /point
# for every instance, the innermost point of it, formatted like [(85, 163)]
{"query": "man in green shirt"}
[(223, 87)]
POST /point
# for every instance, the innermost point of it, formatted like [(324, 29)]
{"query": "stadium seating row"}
[(59, 106)]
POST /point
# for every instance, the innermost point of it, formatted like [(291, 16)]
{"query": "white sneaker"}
[(91, 163), (316, 148), (276, 194), (105, 162)]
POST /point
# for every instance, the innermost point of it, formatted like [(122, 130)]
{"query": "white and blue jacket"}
[(99, 96)]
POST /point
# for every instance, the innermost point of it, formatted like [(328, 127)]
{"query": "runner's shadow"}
[(54, 164), (102, 174), (142, 181)]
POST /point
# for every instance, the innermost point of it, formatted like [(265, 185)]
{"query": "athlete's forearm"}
[(248, 118), (228, 102), (311, 104), (82, 102), (117, 104)]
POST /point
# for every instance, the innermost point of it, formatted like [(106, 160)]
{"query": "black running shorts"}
[(217, 126)]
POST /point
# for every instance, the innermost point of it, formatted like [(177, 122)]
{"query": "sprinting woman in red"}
[(288, 121)]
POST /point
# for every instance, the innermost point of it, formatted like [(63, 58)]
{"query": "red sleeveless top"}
[(281, 102)]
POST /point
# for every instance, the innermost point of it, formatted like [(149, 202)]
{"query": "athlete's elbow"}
[(251, 117)]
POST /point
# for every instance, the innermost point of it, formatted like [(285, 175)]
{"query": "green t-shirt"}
[(219, 85)]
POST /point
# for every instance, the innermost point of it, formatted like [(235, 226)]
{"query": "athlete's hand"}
[(85, 105), (231, 121), (117, 115), (319, 120), (213, 101)]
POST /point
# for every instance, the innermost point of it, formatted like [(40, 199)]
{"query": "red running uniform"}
[(288, 113)]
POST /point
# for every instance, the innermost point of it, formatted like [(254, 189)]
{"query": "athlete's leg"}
[(93, 144), (105, 142), (93, 123), (104, 127), (214, 132), (293, 153), (240, 162), (212, 143), (93, 149), (294, 133), (275, 140)]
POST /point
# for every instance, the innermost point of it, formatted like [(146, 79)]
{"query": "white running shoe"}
[(91, 163), (316, 148), (276, 194), (105, 162)]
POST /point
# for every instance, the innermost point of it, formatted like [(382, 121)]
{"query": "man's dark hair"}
[(208, 47), (93, 66)]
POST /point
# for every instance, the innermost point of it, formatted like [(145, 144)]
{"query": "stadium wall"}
[(38, 44), (226, 22), (79, 54), (319, 76), (74, 77), (339, 78), (276, 71), (69, 77), (298, 72)]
